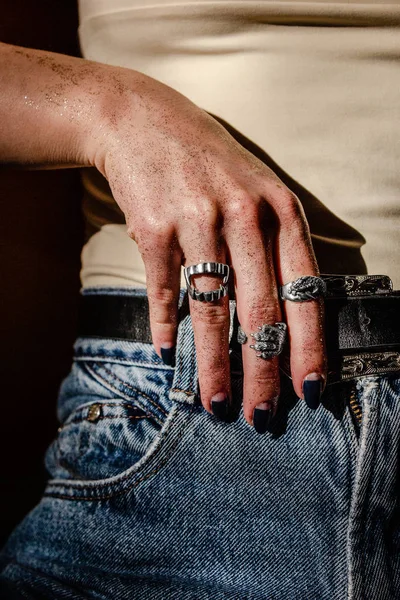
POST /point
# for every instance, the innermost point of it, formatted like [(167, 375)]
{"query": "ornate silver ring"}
[(201, 269), (269, 339), (303, 289)]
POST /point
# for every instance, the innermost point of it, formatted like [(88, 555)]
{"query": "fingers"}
[(268, 244), (257, 305), (295, 258), (162, 258), (210, 322)]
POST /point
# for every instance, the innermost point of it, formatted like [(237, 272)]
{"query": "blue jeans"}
[(152, 498)]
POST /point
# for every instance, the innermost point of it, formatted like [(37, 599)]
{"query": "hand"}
[(191, 194)]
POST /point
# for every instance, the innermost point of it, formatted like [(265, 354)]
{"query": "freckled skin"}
[(190, 193)]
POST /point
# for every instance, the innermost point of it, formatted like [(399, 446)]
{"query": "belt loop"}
[(184, 386), (233, 321)]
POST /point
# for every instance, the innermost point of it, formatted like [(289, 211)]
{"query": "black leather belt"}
[(362, 331), (117, 317)]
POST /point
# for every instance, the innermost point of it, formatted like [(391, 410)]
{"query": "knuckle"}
[(209, 218), (163, 306), (290, 207), (267, 378), (261, 312), (263, 389), (153, 233), (211, 315), (161, 296), (242, 208), (203, 211), (159, 234)]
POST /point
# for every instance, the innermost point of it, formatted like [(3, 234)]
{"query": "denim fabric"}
[(152, 498)]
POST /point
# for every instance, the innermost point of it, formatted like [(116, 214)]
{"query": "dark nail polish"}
[(168, 356), (261, 419), (312, 390), (220, 408)]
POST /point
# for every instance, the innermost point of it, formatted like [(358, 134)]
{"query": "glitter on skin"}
[(189, 191)]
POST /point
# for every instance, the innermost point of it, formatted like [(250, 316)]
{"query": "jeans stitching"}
[(186, 392), (60, 455), (98, 495), (375, 418), (178, 372), (369, 429), (183, 343), (104, 418), (349, 433), (111, 359), (118, 403), (139, 392)]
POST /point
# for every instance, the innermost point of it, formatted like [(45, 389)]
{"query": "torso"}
[(322, 102)]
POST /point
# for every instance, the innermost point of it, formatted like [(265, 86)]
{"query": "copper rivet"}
[(94, 412)]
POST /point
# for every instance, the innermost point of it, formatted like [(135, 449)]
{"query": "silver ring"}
[(303, 289), (270, 339), (207, 267)]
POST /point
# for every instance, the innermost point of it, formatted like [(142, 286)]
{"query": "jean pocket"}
[(117, 423), (102, 439)]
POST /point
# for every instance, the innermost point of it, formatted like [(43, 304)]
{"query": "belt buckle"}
[(351, 365), (351, 286), (345, 367), (361, 364), (358, 363)]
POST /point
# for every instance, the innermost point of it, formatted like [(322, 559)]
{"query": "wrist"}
[(120, 100), (49, 105)]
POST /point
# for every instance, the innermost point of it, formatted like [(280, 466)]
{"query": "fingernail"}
[(168, 355), (312, 390), (220, 406), (262, 415)]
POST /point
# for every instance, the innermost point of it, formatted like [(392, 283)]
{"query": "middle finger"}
[(257, 305)]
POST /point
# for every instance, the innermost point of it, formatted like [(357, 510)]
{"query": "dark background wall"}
[(40, 241)]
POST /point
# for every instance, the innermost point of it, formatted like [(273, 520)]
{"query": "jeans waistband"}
[(363, 333)]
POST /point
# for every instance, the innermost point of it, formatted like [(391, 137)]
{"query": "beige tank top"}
[(314, 85)]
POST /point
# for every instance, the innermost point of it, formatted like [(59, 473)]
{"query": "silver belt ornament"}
[(206, 268), (269, 339), (303, 289)]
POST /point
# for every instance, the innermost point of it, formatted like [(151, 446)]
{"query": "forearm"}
[(51, 106)]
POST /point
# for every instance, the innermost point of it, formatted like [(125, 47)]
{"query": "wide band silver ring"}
[(303, 289), (206, 268), (269, 339)]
